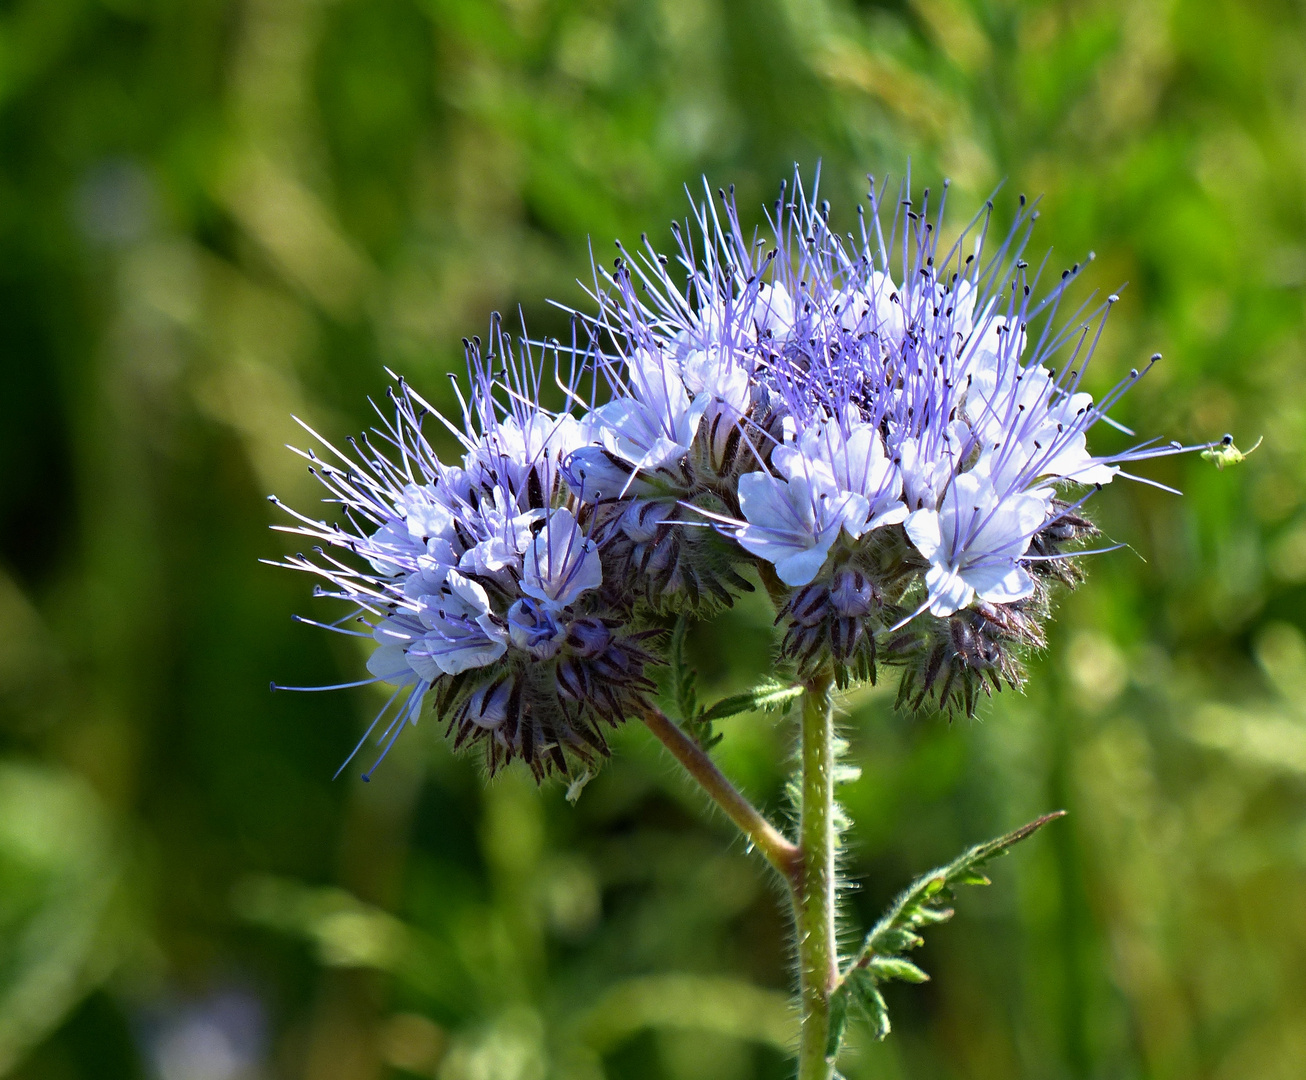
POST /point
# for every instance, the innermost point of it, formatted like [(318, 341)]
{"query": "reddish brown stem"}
[(779, 852)]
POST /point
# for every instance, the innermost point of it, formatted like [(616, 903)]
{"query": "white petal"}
[(390, 664), (598, 478), (489, 556), (392, 549), (767, 500), (892, 514), (1096, 473), (864, 467), (1008, 526), (562, 562), (801, 567), (774, 311), (661, 453), (923, 529), (1000, 583), (455, 655), (470, 592), (847, 511), (423, 663), (424, 516), (427, 580), (948, 590), (781, 523)]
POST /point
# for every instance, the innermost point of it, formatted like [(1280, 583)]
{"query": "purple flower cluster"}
[(890, 436), (479, 581)]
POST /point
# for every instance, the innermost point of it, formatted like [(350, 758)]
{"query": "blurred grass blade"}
[(65, 915)]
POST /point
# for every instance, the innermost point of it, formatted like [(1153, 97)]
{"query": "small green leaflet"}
[(767, 695), (1225, 453), (858, 987), (683, 675), (924, 903)]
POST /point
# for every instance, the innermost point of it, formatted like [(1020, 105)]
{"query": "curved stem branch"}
[(814, 897), (779, 852)]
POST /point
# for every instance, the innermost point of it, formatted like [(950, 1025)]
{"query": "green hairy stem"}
[(807, 867), (814, 889), (828, 996)]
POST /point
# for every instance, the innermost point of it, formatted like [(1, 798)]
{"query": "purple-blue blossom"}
[(479, 582), (892, 438), (913, 415)]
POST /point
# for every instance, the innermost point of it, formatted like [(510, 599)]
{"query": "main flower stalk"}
[(814, 889), (808, 867)]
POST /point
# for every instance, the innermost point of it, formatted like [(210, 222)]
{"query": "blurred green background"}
[(214, 213)]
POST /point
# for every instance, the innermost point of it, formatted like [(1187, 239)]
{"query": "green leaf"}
[(863, 990), (992, 849), (926, 916), (838, 1021), (765, 696), (932, 884), (896, 940), (922, 904), (895, 967), (683, 676)]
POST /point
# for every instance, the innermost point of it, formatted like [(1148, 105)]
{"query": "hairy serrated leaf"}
[(895, 967), (931, 916), (895, 939), (768, 695), (838, 1022), (992, 849), (862, 989), (919, 905), (879, 1013)]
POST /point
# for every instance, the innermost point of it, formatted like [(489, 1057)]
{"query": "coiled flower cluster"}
[(480, 582), (891, 438)]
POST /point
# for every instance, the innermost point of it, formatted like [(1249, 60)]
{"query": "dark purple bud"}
[(534, 629), (572, 681), (487, 707), (852, 594), (588, 638)]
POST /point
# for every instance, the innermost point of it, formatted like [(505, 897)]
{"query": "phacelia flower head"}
[(481, 582), (890, 436), (900, 432)]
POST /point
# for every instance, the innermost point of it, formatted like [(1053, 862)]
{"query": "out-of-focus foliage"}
[(214, 214)]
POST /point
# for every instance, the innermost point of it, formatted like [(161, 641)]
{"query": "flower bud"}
[(487, 705), (851, 593), (533, 628), (588, 638)]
